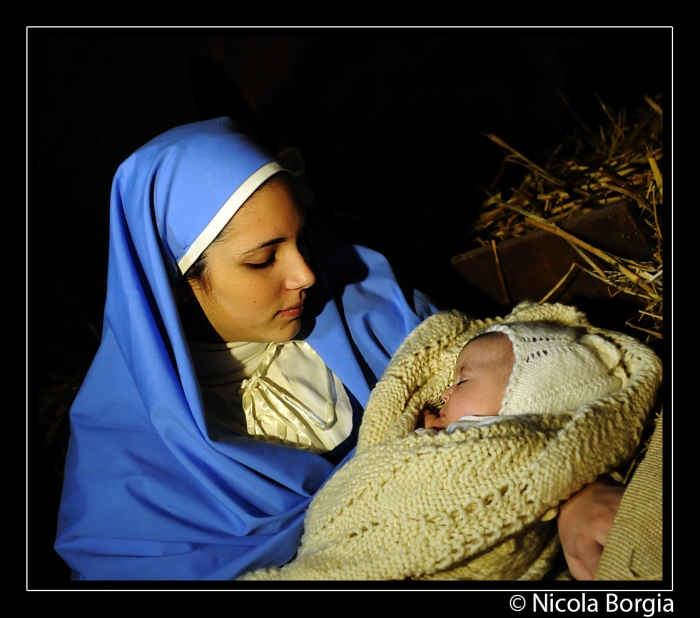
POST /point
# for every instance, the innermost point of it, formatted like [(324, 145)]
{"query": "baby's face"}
[(481, 375)]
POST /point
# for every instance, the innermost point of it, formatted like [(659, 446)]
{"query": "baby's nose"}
[(445, 395)]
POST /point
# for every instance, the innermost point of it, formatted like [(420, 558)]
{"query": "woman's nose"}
[(301, 276)]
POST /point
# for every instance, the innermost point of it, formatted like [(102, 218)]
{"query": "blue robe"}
[(148, 492)]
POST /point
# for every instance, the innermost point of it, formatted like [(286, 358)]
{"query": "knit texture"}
[(557, 368), (475, 504)]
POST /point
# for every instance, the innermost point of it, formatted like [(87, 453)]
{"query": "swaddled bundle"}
[(474, 504)]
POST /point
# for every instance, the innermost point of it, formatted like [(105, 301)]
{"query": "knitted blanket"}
[(475, 504)]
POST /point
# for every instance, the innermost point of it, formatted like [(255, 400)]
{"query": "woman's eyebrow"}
[(275, 241), (267, 243)]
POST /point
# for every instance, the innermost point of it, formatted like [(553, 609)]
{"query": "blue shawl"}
[(148, 493)]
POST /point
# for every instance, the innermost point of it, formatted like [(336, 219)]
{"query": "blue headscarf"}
[(148, 493)]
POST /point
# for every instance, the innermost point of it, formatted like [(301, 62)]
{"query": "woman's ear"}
[(183, 291), (194, 321)]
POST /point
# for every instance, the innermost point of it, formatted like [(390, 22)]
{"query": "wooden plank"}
[(534, 263)]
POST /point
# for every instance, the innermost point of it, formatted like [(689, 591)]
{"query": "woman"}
[(209, 269), (212, 266)]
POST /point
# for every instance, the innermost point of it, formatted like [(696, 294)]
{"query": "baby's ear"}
[(608, 352)]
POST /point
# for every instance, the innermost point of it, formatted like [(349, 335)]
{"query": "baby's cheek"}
[(450, 414)]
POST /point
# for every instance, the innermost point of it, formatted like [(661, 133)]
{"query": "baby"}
[(525, 368), (386, 515)]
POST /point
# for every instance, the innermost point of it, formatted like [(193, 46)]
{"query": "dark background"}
[(389, 124)]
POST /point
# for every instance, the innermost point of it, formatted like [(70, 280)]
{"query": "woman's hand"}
[(584, 523)]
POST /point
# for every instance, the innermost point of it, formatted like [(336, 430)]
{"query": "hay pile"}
[(622, 161)]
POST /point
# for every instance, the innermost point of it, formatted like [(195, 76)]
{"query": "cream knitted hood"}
[(475, 504), (556, 369)]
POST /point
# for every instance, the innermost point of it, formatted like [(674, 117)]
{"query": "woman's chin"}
[(296, 327), (287, 332)]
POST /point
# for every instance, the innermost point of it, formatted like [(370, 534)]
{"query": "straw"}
[(622, 162)]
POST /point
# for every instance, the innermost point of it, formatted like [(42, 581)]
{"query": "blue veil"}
[(148, 493)]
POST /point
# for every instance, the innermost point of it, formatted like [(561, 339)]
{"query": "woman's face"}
[(257, 275)]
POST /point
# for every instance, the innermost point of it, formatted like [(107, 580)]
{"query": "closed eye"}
[(266, 264)]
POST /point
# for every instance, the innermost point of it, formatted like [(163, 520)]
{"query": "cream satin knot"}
[(293, 398)]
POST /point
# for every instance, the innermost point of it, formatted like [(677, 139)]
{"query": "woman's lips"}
[(291, 312)]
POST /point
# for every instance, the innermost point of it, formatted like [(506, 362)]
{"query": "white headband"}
[(230, 207)]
